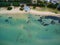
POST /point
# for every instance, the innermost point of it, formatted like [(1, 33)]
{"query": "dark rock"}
[(28, 17), (42, 23), (45, 24), (40, 17), (6, 20), (52, 17), (10, 17), (28, 21), (59, 21), (52, 22), (22, 40), (57, 31), (40, 20)]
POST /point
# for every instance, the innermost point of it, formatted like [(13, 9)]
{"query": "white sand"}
[(16, 10)]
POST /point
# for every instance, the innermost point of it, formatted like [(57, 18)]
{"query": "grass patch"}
[(48, 9)]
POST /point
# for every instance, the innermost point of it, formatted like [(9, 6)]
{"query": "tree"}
[(34, 5), (41, 3)]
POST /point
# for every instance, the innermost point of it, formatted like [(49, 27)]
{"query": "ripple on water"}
[(41, 29)]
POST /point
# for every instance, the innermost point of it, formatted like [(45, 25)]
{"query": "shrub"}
[(16, 4), (21, 9), (41, 4), (50, 5), (4, 4), (55, 11), (9, 8), (54, 6), (58, 7), (22, 5), (34, 6)]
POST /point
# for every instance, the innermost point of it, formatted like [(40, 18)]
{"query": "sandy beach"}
[(17, 11)]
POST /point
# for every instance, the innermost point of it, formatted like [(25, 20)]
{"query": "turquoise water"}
[(28, 30)]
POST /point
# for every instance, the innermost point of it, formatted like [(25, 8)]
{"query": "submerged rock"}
[(45, 24), (6, 20), (40, 20), (28, 17), (28, 21), (10, 17), (0, 16), (52, 17), (52, 22), (57, 31), (59, 21)]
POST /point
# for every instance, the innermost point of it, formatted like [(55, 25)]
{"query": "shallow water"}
[(29, 30)]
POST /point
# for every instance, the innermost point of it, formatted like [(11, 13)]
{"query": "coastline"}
[(38, 13)]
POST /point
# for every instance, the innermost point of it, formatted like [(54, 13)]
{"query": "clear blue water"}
[(29, 30)]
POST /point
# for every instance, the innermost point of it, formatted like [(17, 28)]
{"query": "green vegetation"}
[(9, 8), (42, 4), (4, 4), (34, 6), (16, 4), (22, 7), (48, 6), (51, 5)]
